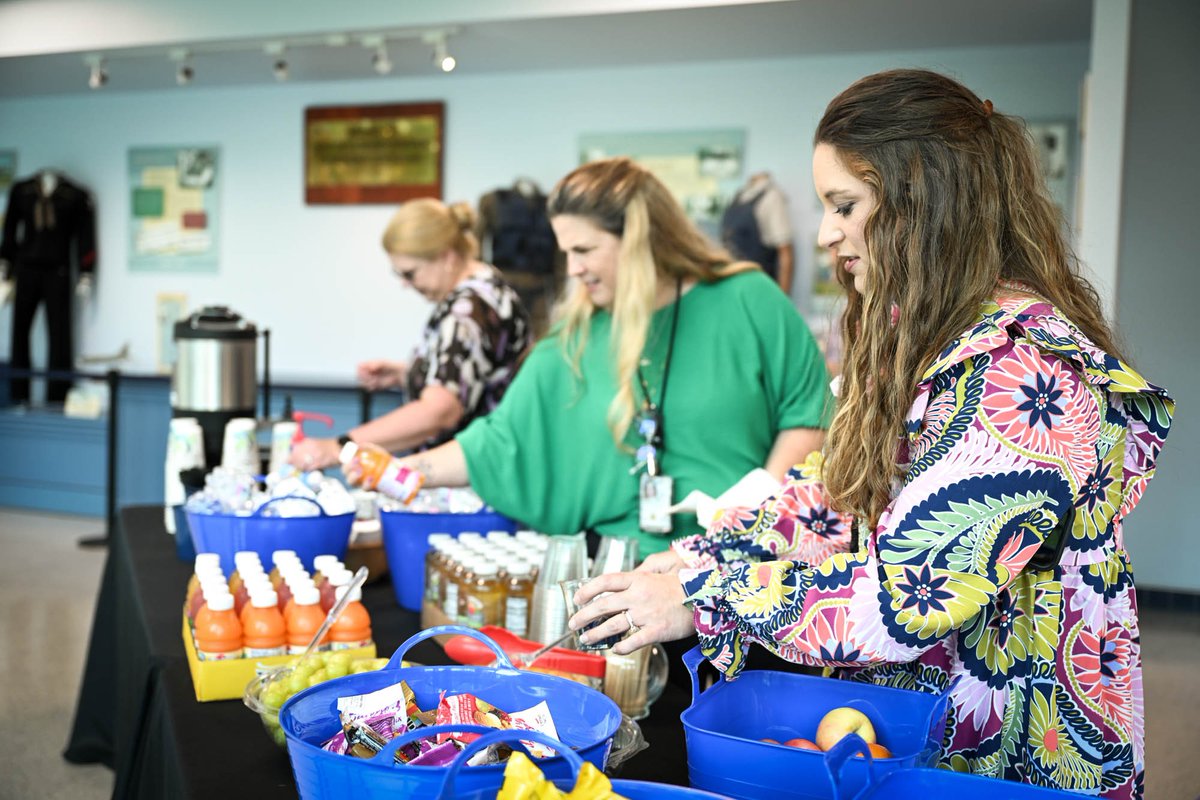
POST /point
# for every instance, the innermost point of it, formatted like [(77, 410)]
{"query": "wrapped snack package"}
[(524, 781), (377, 709), (467, 709)]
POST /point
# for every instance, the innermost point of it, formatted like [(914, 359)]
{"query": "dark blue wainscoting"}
[(49, 462)]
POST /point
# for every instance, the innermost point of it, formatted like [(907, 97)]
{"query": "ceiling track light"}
[(97, 74), (184, 72), (279, 65), (381, 62), (441, 55)]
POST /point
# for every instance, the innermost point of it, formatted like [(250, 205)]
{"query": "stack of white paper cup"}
[(239, 451), (185, 450), (281, 444)]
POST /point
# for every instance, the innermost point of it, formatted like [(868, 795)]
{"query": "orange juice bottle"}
[(381, 472), (208, 570), (243, 561), (303, 619), (218, 632), (353, 627), (263, 631), (323, 565), (282, 561), (329, 589)]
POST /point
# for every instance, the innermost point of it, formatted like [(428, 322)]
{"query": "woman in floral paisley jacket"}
[(968, 527)]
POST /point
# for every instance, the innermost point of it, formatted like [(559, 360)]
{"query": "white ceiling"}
[(779, 29)]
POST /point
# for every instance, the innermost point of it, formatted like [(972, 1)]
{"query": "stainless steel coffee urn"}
[(215, 375)]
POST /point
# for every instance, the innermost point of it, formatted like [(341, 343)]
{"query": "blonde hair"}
[(960, 206), (426, 228), (658, 242)]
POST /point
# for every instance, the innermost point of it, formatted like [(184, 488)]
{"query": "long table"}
[(138, 714)]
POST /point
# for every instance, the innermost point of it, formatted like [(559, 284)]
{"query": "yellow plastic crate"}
[(226, 680)]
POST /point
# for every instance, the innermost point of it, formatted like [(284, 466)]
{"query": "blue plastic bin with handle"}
[(406, 541), (585, 719), (923, 784), (453, 788), (226, 534), (723, 726)]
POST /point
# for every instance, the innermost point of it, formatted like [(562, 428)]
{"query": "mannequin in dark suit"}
[(517, 239), (49, 248)]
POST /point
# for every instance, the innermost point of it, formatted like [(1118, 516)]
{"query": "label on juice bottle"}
[(474, 616), (228, 655), (516, 613), (400, 482), (263, 652), (350, 645), (450, 607), (433, 583)]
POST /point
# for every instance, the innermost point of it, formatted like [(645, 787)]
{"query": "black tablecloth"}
[(138, 714)]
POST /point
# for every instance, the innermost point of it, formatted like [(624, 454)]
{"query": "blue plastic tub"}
[(226, 534), (406, 540), (924, 784), (453, 787), (723, 725), (586, 720)]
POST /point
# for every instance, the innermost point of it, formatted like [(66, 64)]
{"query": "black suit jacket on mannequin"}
[(47, 238)]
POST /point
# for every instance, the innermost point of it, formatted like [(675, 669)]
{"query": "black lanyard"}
[(655, 412)]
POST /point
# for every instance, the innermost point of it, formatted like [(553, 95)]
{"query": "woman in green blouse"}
[(670, 368)]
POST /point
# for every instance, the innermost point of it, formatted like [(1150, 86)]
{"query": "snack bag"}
[(467, 709), (524, 781), (378, 709)]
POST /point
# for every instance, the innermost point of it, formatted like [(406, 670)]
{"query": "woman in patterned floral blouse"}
[(965, 521), (469, 350)]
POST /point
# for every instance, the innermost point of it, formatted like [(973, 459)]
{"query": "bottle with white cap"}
[(263, 630), (352, 628), (218, 632)]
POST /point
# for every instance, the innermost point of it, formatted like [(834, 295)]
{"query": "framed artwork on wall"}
[(703, 169), (373, 154), (173, 220)]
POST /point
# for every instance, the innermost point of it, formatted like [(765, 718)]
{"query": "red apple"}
[(771, 741), (803, 744), (842, 721)]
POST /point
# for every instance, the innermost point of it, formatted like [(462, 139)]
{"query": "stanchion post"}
[(113, 379)]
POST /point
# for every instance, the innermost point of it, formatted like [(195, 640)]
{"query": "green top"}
[(745, 367)]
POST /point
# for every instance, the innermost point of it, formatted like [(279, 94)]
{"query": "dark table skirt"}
[(138, 714)]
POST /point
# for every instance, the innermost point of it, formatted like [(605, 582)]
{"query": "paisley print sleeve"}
[(1006, 440)]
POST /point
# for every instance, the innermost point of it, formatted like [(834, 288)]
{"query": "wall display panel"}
[(173, 219), (373, 154), (703, 169)]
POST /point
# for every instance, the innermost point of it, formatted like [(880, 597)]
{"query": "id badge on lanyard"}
[(655, 490)]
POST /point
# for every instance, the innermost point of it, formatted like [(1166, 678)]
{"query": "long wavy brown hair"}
[(961, 206)]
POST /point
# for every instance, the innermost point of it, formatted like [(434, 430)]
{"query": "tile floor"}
[(48, 587)]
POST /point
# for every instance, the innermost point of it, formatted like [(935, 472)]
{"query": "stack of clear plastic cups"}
[(565, 559)]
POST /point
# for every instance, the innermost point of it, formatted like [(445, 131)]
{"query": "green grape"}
[(297, 681), (318, 677), (337, 670), (338, 659), (273, 697)]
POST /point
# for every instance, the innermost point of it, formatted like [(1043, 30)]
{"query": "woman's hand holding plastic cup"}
[(653, 602)]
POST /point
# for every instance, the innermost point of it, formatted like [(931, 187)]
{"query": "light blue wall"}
[(315, 274), (1159, 277)]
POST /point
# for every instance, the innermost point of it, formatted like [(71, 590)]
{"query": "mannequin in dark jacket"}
[(49, 248)]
